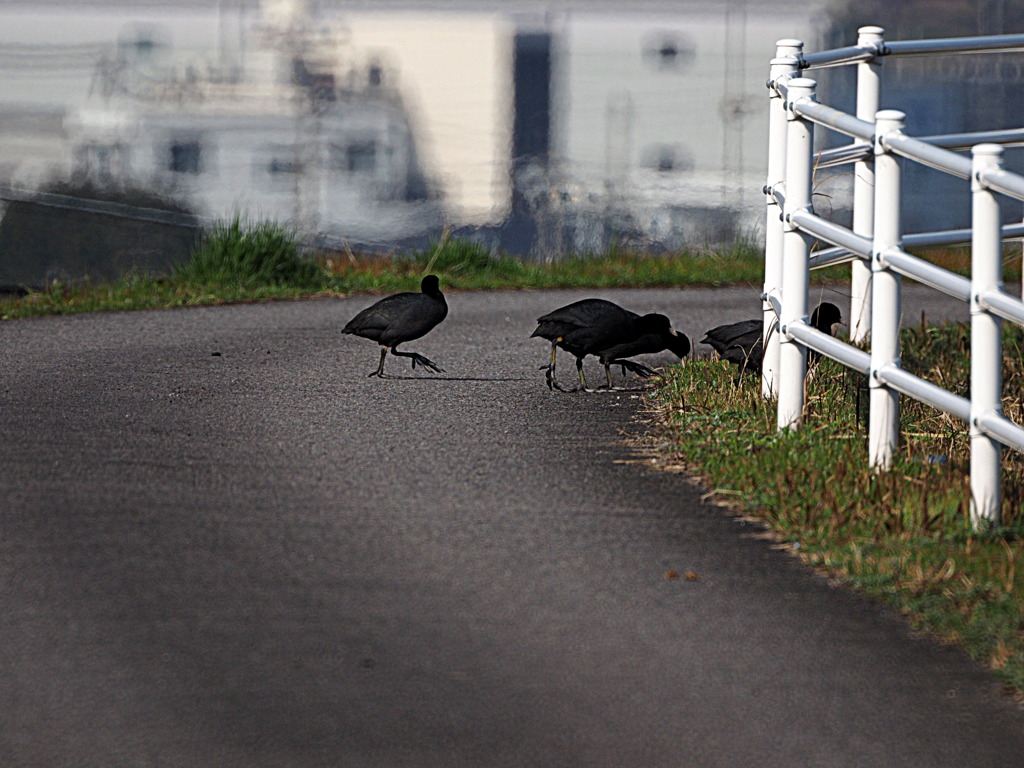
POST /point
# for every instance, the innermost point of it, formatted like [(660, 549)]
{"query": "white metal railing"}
[(876, 247)]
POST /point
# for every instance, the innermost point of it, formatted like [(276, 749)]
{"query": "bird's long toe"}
[(549, 377), (427, 363)]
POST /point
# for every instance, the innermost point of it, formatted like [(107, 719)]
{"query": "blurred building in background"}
[(542, 128), (939, 94)]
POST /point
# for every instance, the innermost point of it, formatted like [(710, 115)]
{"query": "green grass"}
[(466, 265), (246, 255), (252, 261), (241, 260), (901, 535)]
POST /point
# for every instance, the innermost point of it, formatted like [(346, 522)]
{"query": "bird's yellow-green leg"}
[(583, 379), (549, 376), (380, 368)]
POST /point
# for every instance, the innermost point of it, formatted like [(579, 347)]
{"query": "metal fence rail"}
[(876, 246)]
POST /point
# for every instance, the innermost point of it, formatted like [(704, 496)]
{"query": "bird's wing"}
[(416, 318), (739, 343), (723, 336), (749, 338), (588, 312), (378, 316), (746, 352), (580, 323), (593, 338)]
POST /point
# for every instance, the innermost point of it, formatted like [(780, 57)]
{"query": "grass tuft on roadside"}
[(241, 254), (901, 535)]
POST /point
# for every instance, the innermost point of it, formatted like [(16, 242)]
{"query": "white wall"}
[(615, 105), (454, 72)]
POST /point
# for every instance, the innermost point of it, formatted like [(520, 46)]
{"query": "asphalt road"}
[(222, 545)]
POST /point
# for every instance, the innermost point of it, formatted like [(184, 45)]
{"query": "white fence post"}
[(986, 340), (797, 249), (869, 80), (883, 430), (880, 224), (785, 63)]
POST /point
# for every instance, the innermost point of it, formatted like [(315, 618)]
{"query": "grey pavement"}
[(222, 545)]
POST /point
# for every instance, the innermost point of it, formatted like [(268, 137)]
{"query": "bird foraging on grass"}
[(399, 318), (741, 343)]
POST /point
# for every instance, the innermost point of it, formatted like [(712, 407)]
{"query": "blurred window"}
[(101, 161), (184, 157), (667, 158), (358, 157), (284, 165), (669, 51)]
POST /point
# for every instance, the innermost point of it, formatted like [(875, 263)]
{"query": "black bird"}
[(656, 334), (741, 343), (612, 333), (570, 320), (399, 318)]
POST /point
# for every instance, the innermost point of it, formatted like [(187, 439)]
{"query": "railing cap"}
[(894, 115), (986, 150), (871, 38), (803, 82), (790, 62)]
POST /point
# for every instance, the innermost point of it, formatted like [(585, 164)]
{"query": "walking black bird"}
[(399, 318), (612, 333), (741, 343)]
